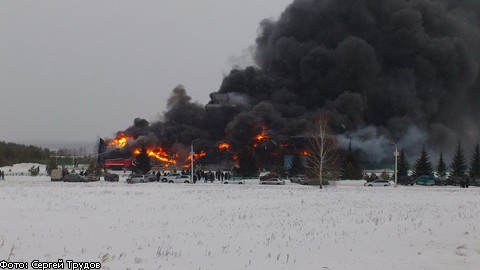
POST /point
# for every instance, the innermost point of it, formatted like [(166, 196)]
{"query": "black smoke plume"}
[(401, 70)]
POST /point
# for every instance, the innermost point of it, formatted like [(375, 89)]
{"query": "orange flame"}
[(169, 159), (120, 141), (224, 146), (196, 156), (262, 137), (304, 153), (158, 153)]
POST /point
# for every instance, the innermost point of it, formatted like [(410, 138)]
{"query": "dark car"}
[(309, 182), (272, 181), (406, 180), (111, 177), (455, 180), (93, 177), (440, 181), (74, 177)]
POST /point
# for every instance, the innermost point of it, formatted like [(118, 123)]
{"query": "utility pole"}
[(396, 154), (192, 155)]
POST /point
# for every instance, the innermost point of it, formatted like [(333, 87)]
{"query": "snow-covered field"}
[(215, 226)]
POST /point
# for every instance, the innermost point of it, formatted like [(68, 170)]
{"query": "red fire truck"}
[(118, 163)]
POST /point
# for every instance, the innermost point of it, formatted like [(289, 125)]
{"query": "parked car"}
[(167, 178), (456, 180), (136, 178), (427, 180), (298, 178), (180, 179), (268, 176), (151, 176), (272, 181), (441, 181), (377, 183), (234, 180), (93, 177), (406, 180), (309, 182), (111, 177), (74, 177)]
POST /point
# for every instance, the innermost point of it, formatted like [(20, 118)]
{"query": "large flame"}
[(162, 155), (159, 153), (261, 137), (196, 156), (120, 141), (224, 146)]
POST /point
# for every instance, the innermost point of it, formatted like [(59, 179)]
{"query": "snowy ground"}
[(214, 226)]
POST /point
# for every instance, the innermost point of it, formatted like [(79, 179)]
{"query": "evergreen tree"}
[(423, 166), (385, 175), (51, 165), (441, 167), (94, 168), (142, 161), (34, 171), (459, 163), (247, 162), (402, 168), (350, 167), (475, 163)]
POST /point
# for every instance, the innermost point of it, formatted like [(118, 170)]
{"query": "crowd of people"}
[(200, 174)]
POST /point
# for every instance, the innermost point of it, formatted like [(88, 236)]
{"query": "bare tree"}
[(321, 155)]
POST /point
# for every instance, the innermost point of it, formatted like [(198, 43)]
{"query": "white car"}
[(298, 178), (170, 177), (180, 179), (272, 181), (234, 181), (377, 183), (136, 178)]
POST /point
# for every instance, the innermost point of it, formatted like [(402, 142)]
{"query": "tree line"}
[(13, 153), (459, 167)]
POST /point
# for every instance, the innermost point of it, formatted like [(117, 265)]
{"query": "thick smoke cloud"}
[(384, 70), (391, 65)]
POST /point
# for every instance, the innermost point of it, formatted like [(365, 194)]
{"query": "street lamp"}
[(396, 158), (191, 158)]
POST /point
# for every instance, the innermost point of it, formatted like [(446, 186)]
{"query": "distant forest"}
[(12, 153)]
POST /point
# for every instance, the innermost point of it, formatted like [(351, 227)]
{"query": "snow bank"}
[(215, 226)]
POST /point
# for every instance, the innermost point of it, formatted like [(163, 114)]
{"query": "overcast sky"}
[(75, 70)]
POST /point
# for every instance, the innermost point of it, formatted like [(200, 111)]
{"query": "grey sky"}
[(75, 70)]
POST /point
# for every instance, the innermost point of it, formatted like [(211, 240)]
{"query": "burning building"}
[(383, 70)]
